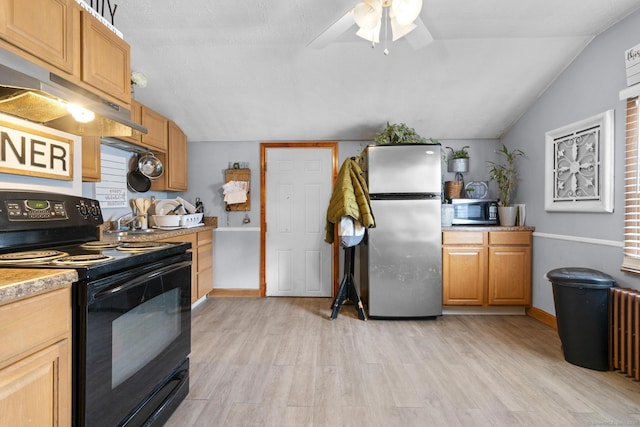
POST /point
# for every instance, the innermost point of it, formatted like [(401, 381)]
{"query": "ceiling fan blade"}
[(334, 31), (420, 36)]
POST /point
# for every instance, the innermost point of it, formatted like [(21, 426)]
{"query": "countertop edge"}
[(20, 283), (158, 235), (487, 228)]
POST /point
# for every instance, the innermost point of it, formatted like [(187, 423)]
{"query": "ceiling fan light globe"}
[(399, 30), (406, 11), (367, 14)]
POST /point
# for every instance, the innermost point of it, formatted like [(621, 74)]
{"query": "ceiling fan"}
[(403, 16)]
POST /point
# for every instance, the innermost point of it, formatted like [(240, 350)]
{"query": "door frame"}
[(264, 146)]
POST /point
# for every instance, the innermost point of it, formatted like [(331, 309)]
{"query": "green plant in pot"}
[(458, 160), (505, 174), (400, 133)]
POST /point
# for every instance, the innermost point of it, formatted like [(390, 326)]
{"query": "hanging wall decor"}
[(579, 166)]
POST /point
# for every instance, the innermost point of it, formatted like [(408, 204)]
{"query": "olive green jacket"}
[(350, 197)]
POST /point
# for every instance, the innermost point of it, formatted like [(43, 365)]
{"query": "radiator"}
[(625, 331)]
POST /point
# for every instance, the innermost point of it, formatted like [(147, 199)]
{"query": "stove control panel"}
[(35, 210), (62, 216)]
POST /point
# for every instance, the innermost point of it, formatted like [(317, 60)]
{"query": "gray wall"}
[(236, 245), (590, 85)]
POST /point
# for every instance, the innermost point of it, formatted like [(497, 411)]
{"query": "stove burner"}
[(30, 256), (82, 259), (141, 246), (98, 245)]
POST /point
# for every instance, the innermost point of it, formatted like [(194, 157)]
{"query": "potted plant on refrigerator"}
[(506, 176), (400, 133)]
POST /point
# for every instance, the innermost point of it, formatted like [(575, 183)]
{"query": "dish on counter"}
[(187, 206), (163, 207)]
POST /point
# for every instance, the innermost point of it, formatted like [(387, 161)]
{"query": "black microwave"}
[(474, 212)]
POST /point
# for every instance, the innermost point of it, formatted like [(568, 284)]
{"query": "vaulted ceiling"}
[(242, 70)]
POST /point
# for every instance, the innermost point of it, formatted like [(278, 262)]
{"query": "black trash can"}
[(581, 298)]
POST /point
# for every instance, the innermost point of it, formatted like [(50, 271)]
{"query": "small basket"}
[(452, 189)]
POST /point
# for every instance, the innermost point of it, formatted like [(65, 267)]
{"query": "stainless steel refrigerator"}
[(401, 258)]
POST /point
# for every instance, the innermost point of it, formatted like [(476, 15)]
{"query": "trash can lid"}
[(579, 276)]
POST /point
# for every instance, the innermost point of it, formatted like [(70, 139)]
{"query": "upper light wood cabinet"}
[(35, 360), (174, 161), (43, 28), (156, 124), (65, 39), (91, 171), (177, 159), (105, 59), (486, 268), (136, 117)]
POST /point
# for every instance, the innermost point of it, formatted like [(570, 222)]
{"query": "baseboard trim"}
[(234, 293), (542, 316), (488, 310)]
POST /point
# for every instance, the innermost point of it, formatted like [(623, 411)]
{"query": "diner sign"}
[(30, 152)]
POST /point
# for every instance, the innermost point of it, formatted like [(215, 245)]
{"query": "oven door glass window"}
[(141, 334), (138, 331)]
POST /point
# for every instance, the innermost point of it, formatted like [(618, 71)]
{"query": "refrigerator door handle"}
[(405, 196)]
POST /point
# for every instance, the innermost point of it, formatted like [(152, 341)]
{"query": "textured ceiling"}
[(242, 70)]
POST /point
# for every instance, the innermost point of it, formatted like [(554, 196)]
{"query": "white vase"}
[(507, 215)]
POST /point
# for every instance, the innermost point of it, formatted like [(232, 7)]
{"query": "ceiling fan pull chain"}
[(386, 31)]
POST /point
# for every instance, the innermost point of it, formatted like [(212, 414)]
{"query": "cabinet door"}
[(136, 117), (105, 59), (37, 389), (192, 238), (156, 124), (510, 275), (463, 275), (91, 159), (43, 28), (176, 159), (205, 263)]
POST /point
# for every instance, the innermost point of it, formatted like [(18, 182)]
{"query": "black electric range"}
[(131, 307)]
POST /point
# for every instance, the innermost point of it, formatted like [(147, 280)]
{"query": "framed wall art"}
[(579, 166)]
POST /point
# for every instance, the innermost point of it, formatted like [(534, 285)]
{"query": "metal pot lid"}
[(150, 166)]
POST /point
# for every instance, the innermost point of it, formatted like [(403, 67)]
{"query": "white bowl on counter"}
[(167, 220)]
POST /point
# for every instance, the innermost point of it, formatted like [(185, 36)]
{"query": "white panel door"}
[(298, 188)]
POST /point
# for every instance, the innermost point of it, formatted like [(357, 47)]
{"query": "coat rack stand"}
[(348, 290)]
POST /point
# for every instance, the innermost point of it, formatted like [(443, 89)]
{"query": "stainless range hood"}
[(33, 93)]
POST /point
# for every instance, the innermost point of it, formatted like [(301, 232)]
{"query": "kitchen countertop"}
[(18, 283), (487, 228), (211, 223), (155, 235)]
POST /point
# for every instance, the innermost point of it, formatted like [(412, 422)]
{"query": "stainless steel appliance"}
[(401, 258), (131, 311), (474, 212), (32, 92)]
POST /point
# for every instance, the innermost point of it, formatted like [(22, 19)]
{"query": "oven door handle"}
[(105, 293)]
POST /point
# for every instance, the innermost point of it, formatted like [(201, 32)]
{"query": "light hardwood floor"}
[(282, 362)]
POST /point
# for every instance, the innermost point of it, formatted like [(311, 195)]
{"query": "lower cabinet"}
[(35, 360), (205, 263), (486, 268), (201, 263)]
